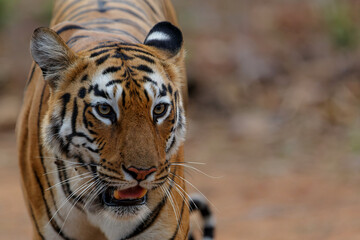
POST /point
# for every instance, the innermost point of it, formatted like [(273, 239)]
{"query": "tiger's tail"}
[(199, 203)]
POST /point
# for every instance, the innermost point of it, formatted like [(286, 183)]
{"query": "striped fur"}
[(125, 56), (198, 203)]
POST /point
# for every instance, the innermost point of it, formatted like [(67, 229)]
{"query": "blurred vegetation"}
[(6, 12), (45, 12), (341, 25)]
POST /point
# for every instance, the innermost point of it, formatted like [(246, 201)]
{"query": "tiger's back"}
[(100, 134)]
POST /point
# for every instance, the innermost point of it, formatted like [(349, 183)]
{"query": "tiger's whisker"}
[(197, 170), (80, 176), (196, 163), (172, 203), (195, 189), (176, 206), (76, 201), (67, 199), (70, 162), (97, 189), (182, 190), (62, 169)]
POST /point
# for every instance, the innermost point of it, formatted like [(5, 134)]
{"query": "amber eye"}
[(160, 110), (104, 110)]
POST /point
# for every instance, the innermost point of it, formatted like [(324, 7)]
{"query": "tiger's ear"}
[(167, 38), (51, 53)]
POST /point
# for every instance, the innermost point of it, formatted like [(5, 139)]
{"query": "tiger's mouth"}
[(113, 197)]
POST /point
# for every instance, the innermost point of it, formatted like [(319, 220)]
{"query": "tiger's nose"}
[(139, 173)]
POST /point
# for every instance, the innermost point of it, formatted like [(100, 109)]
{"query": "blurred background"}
[(274, 111)]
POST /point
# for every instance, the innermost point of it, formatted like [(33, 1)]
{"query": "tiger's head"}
[(115, 116)]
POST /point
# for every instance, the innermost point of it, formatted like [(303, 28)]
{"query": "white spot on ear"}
[(158, 36)]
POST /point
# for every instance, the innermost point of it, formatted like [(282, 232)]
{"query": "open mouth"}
[(128, 197)]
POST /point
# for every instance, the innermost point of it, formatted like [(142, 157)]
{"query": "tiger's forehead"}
[(122, 70), (121, 51)]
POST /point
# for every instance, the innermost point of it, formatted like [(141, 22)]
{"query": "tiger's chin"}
[(127, 212)]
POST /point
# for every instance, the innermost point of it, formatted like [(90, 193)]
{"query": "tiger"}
[(101, 131)]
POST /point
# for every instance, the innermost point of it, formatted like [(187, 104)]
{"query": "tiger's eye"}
[(159, 109), (104, 109)]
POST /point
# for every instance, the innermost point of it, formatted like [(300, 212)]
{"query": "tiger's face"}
[(115, 113)]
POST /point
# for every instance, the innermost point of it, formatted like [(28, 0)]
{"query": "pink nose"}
[(140, 174)]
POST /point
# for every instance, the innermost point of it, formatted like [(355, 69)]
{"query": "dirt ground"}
[(259, 195)]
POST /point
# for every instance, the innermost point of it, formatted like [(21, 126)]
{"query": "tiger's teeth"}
[(117, 194)]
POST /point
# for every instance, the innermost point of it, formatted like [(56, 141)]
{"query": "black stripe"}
[(82, 92), (146, 95), (111, 69), (147, 59), (203, 207), (95, 54), (147, 79), (123, 95), (179, 220), (129, 3), (194, 205), (171, 144), (40, 146), (85, 67), (108, 176), (163, 90), (113, 30), (162, 178), (74, 39), (170, 89), (117, 20), (138, 85), (100, 93), (31, 76), (208, 232), (35, 222), (131, 12), (151, 7), (112, 82), (66, 185), (52, 222), (205, 211), (65, 99), (84, 78), (101, 60), (86, 105), (74, 10), (176, 97), (60, 15), (103, 45), (74, 116), (68, 27), (144, 68), (136, 50), (81, 135), (91, 149), (122, 56)]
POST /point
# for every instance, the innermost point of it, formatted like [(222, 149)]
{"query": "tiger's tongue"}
[(130, 193)]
